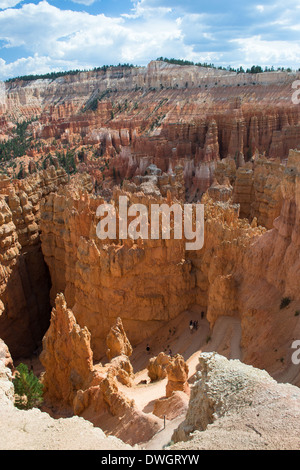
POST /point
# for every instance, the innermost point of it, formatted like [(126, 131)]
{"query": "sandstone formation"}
[(122, 369), (219, 277), (118, 121), (6, 385), (247, 273), (91, 391), (99, 399), (220, 192), (177, 373), (157, 367), (163, 134), (257, 190), (68, 361), (117, 341), (273, 262), (235, 406), (25, 282), (5, 356), (214, 277), (66, 356), (107, 407), (106, 279), (243, 190)]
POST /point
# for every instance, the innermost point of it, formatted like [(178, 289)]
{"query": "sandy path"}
[(145, 395), (226, 338), (163, 437), (177, 336)]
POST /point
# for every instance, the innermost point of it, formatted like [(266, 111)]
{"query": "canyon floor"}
[(175, 338)]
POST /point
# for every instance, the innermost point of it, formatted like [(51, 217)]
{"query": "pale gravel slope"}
[(35, 430), (236, 406)]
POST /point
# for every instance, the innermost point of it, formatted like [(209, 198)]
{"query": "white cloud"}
[(33, 64), (8, 3), (64, 37), (84, 2), (268, 52), (45, 29), (51, 38), (143, 10)]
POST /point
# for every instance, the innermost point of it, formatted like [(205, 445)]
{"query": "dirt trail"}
[(178, 338), (290, 375), (163, 437), (226, 337)]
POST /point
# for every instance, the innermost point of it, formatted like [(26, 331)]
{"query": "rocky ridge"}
[(235, 406)]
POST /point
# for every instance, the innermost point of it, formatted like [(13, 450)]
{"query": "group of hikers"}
[(194, 323)]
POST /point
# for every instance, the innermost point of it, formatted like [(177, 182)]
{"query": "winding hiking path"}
[(177, 336)]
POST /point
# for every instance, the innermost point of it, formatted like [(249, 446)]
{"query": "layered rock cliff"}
[(243, 270), (104, 280), (25, 280), (164, 134)]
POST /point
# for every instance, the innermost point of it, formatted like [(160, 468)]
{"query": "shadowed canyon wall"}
[(25, 279)]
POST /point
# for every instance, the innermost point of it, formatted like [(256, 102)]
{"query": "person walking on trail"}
[(191, 326)]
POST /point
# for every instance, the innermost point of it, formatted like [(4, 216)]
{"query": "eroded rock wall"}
[(25, 280), (104, 280), (245, 271)]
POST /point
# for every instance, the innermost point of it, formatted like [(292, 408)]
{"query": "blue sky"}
[(41, 36)]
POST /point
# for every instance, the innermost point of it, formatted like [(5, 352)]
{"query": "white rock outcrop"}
[(236, 406), (36, 430)]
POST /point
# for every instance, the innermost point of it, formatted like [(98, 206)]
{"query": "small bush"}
[(285, 302), (28, 388)]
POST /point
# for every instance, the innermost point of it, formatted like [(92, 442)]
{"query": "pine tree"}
[(28, 388)]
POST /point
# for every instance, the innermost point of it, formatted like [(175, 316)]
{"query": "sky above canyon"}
[(53, 35)]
